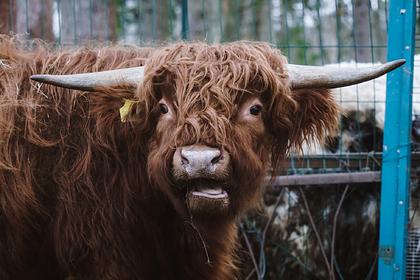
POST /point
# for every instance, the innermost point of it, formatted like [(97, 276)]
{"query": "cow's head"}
[(217, 117)]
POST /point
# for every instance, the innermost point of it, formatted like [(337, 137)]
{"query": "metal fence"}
[(307, 31), (303, 232)]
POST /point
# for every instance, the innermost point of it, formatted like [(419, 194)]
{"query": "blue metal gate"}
[(396, 149)]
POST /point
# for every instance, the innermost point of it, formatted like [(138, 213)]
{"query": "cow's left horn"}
[(92, 81), (302, 76)]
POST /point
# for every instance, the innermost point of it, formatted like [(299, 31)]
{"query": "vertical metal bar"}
[(305, 43), (139, 10), (396, 157), (171, 20), (254, 20), (90, 20), (237, 20), (270, 22), (27, 16), (305, 61), (353, 32), (106, 25), (121, 19), (74, 23), (185, 24), (205, 21), (59, 21), (372, 55), (43, 22), (321, 42), (286, 22), (355, 48), (154, 20), (338, 29), (221, 21), (322, 53), (10, 17), (338, 7)]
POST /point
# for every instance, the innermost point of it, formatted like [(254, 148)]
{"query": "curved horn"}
[(302, 76), (91, 81)]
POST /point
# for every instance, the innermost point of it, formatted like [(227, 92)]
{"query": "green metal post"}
[(396, 149), (185, 24)]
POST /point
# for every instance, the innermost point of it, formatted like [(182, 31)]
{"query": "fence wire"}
[(292, 238)]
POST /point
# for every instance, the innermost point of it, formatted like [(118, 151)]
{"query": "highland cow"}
[(87, 192)]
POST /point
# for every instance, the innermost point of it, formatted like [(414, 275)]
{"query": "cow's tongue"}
[(216, 193)]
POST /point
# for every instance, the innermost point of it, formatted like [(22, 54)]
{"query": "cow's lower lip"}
[(207, 198)]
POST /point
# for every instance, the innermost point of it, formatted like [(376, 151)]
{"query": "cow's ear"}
[(316, 117), (110, 102), (301, 116)]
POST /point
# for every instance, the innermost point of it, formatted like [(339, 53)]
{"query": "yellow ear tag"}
[(125, 109)]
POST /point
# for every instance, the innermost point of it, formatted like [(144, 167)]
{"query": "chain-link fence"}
[(309, 230)]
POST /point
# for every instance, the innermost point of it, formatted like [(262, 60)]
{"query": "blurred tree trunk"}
[(380, 34), (7, 16), (67, 22), (86, 20), (361, 32), (248, 19), (196, 20), (232, 12), (146, 27), (153, 21), (35, 18), (96, 20), (163, 20), (110, 7), (214, 21), (262, 24)]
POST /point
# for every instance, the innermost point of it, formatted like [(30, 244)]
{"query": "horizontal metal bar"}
[(325, 179), (329, 46), (344, 156)]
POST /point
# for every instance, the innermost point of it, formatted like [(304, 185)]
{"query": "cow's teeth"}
[(213, 193)]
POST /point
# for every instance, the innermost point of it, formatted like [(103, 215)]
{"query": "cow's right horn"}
[(91, 81)]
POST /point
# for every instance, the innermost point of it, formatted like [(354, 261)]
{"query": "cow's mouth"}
[(207, 196)]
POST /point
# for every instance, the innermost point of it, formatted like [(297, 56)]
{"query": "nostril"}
[(217, 158), (184, 159)]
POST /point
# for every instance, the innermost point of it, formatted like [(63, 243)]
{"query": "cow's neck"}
[(211, 248), (199, 250)]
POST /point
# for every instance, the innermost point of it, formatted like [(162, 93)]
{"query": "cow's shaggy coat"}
[(86, 196)]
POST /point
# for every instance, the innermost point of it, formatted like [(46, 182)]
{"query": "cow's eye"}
[(163, 108), (255, 110)]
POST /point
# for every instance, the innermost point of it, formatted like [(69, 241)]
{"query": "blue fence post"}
[(396, 148), (185, 24)]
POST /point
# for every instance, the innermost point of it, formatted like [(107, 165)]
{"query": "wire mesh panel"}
[(302, 232), (413, 242), (413, 255)]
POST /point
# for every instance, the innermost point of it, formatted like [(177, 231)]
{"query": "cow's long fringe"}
[(203, 77), (70, 168)]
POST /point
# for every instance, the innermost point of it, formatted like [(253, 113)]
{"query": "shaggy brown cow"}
[(84, 195)]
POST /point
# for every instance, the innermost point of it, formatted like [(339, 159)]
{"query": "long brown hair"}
[(70, 168)]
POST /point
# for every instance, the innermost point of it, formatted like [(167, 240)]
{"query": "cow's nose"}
[(197, 157), (198, 161)]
